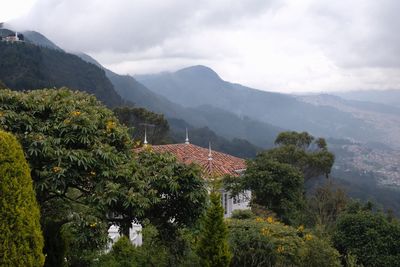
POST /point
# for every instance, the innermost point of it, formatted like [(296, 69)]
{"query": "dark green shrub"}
[(242, 214), (213, 248), (21, 240)]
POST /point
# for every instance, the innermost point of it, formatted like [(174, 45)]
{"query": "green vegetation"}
[(84, 168), (88, 175), (267, 242), (213, 249), (373, 238), (20, 233)]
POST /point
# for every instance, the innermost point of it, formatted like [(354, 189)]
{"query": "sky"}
[(273, 45)]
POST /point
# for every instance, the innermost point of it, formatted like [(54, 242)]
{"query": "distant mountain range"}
[(199, 85), (362, 129)]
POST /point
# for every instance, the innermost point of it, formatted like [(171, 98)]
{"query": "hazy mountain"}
[(222, 122), (26, 66), (39, 39), (388, 97), (199, 85)]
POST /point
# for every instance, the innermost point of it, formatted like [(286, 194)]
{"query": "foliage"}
[(267, 242), (175, 194), (371, 237), (213, 248), (137, 117), (20, 233), (274, 185), (242, 214), (303, 151), (326, 204), (85, 236), (74, 145)]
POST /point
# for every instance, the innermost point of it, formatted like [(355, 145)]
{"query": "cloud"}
[(280, 45)]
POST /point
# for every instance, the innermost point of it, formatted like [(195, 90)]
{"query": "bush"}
[(242, 214), (370, 237), (267, 242), (20, 234)]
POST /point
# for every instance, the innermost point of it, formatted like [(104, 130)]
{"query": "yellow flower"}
[(67, 121), (308, 237), (258, 219), (75, 113), (265, 231), (110, 125), (57, 169), (280, 249), (93, 225), (92, 173), (1, 114), (300, 228), (270, 220)]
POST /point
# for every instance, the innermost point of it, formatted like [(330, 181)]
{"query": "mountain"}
[(26, 66), (222, 122), (388, 97), (200, 85)]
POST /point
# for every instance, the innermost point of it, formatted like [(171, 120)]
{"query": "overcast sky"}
[(277, 45)]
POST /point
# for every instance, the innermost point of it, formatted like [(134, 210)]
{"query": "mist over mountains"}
[(362, 130)]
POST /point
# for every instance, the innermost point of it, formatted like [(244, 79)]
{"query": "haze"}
[(276, 45)]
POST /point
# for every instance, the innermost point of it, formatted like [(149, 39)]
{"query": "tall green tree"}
[(213, 248), (303, 151), (276, 186), (74, 145), (21, 240)]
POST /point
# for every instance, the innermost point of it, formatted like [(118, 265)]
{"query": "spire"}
[(145, 137), (210, 169), (209, 151), (187, 137)]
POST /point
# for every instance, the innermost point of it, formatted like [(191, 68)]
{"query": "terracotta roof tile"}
[(221, 163)]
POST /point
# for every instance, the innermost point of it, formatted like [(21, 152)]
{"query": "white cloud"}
[(279, 45)]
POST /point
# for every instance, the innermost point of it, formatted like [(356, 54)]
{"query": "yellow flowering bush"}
[(269, 242)]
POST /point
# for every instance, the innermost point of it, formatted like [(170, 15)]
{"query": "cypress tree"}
[(213, 247), (21, 240)]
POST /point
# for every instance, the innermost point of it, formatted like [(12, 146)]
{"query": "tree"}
[(21, 240), (174, 194), (326, 204), (274, 185), (213, 248), (304, 152), (369, 236), (74, 145)]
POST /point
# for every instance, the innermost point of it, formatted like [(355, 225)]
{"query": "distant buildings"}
[(12, 38)]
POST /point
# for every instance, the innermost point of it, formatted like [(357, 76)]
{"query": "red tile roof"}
[(221, 163)]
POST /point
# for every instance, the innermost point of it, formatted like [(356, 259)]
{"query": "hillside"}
[(200, 85), (388, 97), (224, 123), (27, 66)]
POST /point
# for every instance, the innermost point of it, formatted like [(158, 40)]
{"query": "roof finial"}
[(209, 151), (145, 136), (187, 137)]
